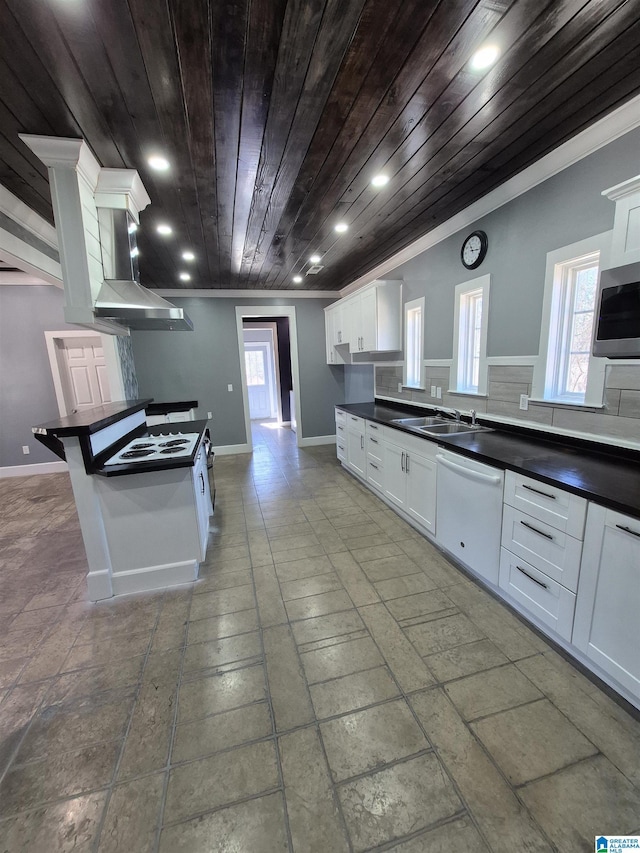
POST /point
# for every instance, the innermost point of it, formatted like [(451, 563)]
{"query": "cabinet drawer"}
[(355, 423), (341, 416), (550, 504), (375, 448), (538, 594), (341, 431), (375, 474), (548, 549), (341, 449), (375, 430)]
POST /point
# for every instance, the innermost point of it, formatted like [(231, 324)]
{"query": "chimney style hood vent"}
[(122, 298), (136, 307)]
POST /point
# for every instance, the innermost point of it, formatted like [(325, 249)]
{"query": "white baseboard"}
[(230, 449), (154, 577), (314, 440), (36, 468), (99, 585)]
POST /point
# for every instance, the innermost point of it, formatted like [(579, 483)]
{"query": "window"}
[(413, 342), (254, 361), (567, 372), (470, 337)]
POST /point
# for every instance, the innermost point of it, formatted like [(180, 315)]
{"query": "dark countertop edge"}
[(146, 467), (454, 443), (165, 408), (82, 423)]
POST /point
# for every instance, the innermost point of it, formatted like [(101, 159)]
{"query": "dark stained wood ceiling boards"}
[(276, 114)]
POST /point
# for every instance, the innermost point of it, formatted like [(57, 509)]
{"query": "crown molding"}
[(624, 189), (221, 293), (58, 152), (596, 136), (122, 189), (19, 212)]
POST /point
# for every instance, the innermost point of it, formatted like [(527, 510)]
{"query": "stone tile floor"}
[(332, 683)]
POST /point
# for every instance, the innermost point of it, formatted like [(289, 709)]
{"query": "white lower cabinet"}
[(607, 627), (410, 477), (356, 451)]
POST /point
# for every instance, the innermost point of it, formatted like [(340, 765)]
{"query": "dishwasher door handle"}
[(468, 472)]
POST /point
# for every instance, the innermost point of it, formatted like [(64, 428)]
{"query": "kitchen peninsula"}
[(145, 517)]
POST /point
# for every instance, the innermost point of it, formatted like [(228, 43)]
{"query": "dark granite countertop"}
[(88, 421), (604, 476), (165, 408), (156, 465)]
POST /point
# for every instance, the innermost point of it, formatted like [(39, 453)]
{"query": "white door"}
[(83, 372), (260, 380)]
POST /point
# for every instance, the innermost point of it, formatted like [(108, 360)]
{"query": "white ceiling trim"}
[(246, 294), (20, 278), (17, 210), (604, 131)]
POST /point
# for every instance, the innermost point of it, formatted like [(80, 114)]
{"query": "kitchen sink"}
[(418, 423), (451, 428)]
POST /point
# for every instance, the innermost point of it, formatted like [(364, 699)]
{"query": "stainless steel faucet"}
[(473, 413), (450, 413)]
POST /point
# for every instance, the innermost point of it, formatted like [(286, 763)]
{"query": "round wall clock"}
[(474, 248)]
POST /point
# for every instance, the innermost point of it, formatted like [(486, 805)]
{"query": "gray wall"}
[(200, 365), (563, 209), (358, 383), (27, 396)]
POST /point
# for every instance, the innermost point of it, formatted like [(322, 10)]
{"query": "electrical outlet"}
[(229, 387), (399, 387), (524, 402), (25, 449), (439, 393), (209, 415), (433, 390)]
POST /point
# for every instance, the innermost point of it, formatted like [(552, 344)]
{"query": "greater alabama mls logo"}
[(617, 843), (602, 845)]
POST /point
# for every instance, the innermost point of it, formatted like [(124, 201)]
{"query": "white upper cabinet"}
[(625, 243), (370, 321)]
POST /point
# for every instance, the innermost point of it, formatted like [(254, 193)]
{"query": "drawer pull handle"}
[(531, 578), (628, 530), (402, 461), (353, 419), (538, 492), (372, 426), (373, 466), (374, 440), (535, 530), (406, 464)]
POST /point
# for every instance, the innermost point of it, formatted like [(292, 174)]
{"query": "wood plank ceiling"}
[(276, 114)]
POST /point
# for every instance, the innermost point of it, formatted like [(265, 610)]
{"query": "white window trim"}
[(594, 396), (482, 283), (410, 306)]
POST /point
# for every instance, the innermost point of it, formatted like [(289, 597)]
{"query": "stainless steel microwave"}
[(617, 326)]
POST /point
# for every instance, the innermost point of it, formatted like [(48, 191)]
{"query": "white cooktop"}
[(153, 448)]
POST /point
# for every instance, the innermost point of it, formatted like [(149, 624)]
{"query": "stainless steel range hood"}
[(122, 298), (137, 307)]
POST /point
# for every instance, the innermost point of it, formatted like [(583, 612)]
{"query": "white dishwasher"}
[(469, 512)]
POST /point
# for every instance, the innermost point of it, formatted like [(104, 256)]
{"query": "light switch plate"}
[(439, 393), (433, 390), (524, 402), (229, 387), (209, 415), (399, 387)]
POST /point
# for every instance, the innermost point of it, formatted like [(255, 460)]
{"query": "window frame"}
[(554, 326), (414, 305), (461, 364)]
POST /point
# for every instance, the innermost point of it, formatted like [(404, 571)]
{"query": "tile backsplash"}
[(620, 417)]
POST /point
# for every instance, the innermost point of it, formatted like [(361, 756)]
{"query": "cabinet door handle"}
[(535, 530), (373, 466), (628, 530), (402, 461), (202, 481), (538, 492), (374, 440), (406, 464), (531, 578), (361, 442)]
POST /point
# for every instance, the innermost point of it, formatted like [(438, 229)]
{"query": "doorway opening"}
[(269, 367)]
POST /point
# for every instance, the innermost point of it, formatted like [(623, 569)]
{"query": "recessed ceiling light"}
[(184, 276), (188, 256), (380, 180), (341, 227), (484, 57), (297, 279), (315, 259), (164, 229), (160, 164)]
